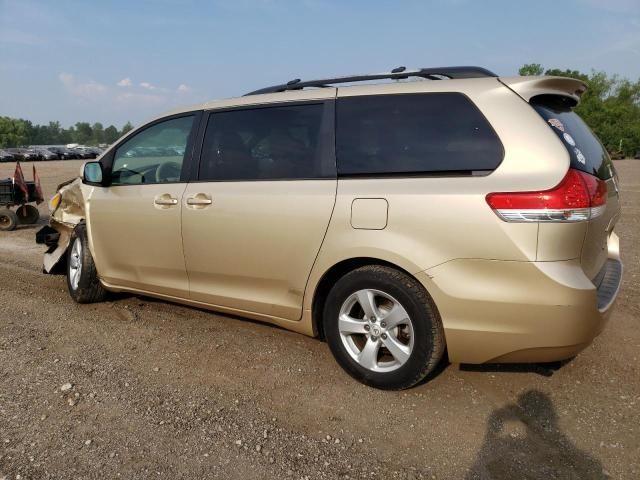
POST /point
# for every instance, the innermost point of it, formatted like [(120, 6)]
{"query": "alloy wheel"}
[(376, 330), (75, 264)]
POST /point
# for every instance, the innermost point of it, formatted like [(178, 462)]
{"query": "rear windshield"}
[(586, 151)]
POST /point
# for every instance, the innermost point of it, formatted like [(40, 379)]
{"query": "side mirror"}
[(92, 174)]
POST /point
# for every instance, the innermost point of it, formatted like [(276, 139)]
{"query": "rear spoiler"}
[(529, 87)]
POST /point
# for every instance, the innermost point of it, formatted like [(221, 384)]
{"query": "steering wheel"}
[(168, 172)]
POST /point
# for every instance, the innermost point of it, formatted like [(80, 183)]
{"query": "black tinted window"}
[(586, 151), (283, 142), (421, 133)]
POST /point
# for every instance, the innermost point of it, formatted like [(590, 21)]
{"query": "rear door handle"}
[(165, 200), (199, 200)]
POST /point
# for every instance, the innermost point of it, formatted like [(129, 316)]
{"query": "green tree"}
[(39, 135), (54, 131), (610, 106), (14, 132), (98, 133), (126, 128), (66, 136), (531, 69), (83, 133), (71, 135), (111, 134)]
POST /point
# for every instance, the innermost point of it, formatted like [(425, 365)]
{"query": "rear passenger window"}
[(414, 134), (270, 143)]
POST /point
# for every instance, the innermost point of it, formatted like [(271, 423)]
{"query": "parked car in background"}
[(33, 154), (6, 156), (97, 151), (17, 155), (63, 153), (46, 154), (24, 154), (84, 152)]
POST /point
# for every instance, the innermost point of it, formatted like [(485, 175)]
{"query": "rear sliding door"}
[(255, 218)]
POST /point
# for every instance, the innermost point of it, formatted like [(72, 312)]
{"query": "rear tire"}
[(28, 214), (392, 342), (8, 220), (82, 277)]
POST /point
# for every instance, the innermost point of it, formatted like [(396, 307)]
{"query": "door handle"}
[(165, 200), (199, 200)]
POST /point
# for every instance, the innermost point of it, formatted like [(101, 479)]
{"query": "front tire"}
[(82, 277), (383, 327)]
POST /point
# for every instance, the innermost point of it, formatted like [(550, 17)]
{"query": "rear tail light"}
[(578, 197)]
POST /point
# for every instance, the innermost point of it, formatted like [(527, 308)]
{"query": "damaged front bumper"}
[(57, 241), (48, 236), (65, 215)]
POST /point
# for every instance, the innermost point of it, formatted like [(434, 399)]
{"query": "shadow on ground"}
[(524, 441), (544, 369)]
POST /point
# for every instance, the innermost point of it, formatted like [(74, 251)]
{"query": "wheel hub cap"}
[(75, 264), (376, 330)]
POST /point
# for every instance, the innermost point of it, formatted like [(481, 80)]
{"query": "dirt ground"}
[(157, 390)]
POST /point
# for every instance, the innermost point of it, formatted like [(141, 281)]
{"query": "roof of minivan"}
[(527, 87), (332, 92)]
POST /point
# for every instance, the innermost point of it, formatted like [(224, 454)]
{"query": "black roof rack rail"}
[(395, 74)]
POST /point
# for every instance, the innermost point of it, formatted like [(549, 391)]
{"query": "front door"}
[(254, 221), (134, 224)]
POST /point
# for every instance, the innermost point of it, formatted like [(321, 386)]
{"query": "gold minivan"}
[(440, 209)]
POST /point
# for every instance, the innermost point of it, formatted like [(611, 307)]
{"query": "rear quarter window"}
[(414, 134), (586, 152)]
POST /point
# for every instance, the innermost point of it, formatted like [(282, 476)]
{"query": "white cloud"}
[(123, 97), (151, 87), (66, 79), (125, 82), (89, 89), (144, 94)]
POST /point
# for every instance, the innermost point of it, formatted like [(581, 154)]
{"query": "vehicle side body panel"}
[(435, 219), (252, 249), (505, 291), (136, 243)]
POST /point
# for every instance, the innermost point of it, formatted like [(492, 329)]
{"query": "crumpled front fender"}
[(64, 218)]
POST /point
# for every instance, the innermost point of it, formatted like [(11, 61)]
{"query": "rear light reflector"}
[(578, 197)]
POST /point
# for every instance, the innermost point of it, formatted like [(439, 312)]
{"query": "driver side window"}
[(154, 155)]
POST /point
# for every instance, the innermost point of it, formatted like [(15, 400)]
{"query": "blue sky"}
[(113, 61)]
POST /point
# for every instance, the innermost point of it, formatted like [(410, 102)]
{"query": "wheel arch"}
[(328, 279)]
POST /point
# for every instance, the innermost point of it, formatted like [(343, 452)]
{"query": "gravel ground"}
[(137, 388)]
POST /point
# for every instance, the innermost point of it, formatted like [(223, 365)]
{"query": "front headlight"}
[(54, 202)]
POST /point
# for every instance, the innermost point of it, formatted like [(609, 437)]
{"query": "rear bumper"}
[(504, 311), (608, 284)]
